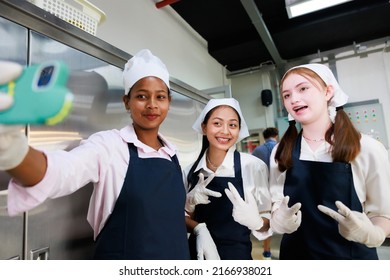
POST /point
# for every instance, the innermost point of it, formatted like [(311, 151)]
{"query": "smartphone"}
[(40, 95)]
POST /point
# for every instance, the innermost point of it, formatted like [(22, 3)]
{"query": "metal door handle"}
[(40, 254)]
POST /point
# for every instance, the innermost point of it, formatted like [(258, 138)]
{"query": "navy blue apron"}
[(231, 238), (313, 183), (148, 221)]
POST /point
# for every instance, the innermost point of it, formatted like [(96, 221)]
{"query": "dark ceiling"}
[(243, 34)]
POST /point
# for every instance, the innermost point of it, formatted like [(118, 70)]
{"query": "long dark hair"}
[(205, 141), (346, 138)]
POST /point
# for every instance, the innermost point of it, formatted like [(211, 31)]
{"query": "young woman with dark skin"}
[(128, 207)]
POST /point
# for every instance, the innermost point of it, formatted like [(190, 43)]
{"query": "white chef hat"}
[(144, 64), (339, 98), (218, 102)]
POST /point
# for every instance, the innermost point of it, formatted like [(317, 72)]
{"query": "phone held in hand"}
[(40, 95)]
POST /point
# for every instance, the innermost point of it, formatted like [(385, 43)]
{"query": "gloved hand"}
[(13, 144), (245, 212), (200, 194), (286, 219), (205, 246), (6, 101), (355, 226), (8, 71)]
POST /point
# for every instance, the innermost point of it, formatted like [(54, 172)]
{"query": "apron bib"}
[(313, 183), (147, 222), (231, 238)]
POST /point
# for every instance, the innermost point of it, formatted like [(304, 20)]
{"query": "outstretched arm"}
[(31, 170), (25, 164)]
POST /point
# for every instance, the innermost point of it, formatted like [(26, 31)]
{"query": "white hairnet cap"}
[(339, 98), (218, 102), (144, 64)]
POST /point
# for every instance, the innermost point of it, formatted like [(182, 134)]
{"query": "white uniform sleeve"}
[(276, 181), (66, 173), (371, 175), (255, 179)]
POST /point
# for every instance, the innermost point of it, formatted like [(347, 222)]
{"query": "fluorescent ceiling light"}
[(300, 7)]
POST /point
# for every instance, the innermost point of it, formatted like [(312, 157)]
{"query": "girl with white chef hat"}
[(228, 190), (136, 208), (330, 184)]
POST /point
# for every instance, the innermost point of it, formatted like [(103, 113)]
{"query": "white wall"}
[(132, 25), (367, 78), (247, 90)]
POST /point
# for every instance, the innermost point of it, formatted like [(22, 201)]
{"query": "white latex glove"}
[(5, 101), (286, 219), (355, 226), (13, 143), (13, 146), (8, 71), (245, 212), (200, 194), (205, 246)]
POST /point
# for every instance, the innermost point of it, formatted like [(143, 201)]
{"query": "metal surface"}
[(30, 16), (257, 20)]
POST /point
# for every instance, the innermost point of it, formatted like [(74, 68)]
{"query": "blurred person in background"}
[(263, 152)]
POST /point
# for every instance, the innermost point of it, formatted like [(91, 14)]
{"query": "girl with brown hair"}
[(330, 184)]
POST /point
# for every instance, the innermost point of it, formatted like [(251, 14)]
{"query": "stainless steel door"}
[(13, 46)]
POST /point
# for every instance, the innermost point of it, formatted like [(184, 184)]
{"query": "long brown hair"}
[(345, 141)]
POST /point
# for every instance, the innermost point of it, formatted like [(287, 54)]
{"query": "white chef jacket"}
[(254, 178), (370, 170), (102, 159)]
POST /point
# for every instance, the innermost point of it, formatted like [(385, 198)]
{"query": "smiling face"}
[(305, 97), (148, 103), (222, 128)]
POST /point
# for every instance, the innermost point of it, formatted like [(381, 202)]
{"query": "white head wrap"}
[(339, 98), (218, 102), (141, 65)]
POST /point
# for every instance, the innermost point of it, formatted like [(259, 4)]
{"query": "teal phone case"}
[(40, 94)]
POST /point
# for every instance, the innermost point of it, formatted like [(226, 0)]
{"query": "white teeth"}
[(222, 140)]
